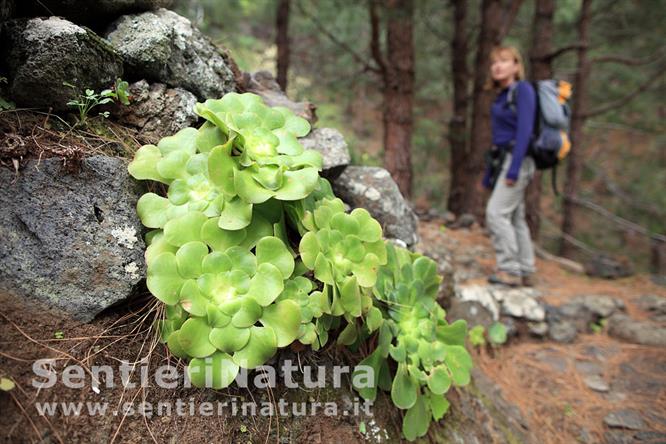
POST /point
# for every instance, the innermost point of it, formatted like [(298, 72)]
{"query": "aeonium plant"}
[(218, 300), (429, 353), (249, 250)]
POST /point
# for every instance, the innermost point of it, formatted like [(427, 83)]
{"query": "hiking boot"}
[(529, 280), (504, 278)]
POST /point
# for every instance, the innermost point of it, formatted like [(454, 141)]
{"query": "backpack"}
[(550, 141)]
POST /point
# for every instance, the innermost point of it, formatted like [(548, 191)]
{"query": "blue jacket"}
[(509, 125)]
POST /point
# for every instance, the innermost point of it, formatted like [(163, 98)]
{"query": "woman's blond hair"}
[(513, 53)]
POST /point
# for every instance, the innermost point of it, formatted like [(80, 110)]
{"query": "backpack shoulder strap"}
[(511, 96)]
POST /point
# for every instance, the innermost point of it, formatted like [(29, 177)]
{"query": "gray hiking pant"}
[(505, 219)]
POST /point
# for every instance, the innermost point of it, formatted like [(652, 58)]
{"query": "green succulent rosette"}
[(224, 305), (345, 252), (245, 154), (430, 353)]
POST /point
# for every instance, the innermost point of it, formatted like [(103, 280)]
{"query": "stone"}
[(263, 83), (157, 111), (553, 358), (600, 305), (162, 46), (333, 148), (465, 220), (653, 303), (87, 12), (72, 242), (373, 188), (624, 419), (471, 311), (521, 303), (608, 267), (596, 383), (538, 329), (574, 313), (480, 294), (39, 54), (589, 368), (623, 327), (562, 331)]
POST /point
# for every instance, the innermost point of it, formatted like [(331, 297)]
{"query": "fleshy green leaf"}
[(236, 214), (185, 228), (285, 319), (272, 250), (416, 421), (217, 371), (267, 284), (260, 348), (163, 279), (193, 338), (404, 390), (229, 338)]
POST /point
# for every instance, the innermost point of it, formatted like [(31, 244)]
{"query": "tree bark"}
[(541, 68), (282, 42), (575, 157), (398, 93), (458, 123), (468, 197)]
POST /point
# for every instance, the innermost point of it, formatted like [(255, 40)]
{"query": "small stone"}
[(596, 383), (640, 332), (562, 331), (553, 359), (333, 148), (521, 304), (539, 329), (465, 220), (624, 419)]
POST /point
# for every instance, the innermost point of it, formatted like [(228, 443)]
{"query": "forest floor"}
[(545, 379)]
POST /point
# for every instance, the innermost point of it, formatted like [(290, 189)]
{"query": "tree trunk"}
[(470, 196), (541, 68), (575, 157), (399, 92), (458, 122), (282, 43)]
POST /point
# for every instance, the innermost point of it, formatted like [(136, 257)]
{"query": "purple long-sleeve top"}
[(513, 125)]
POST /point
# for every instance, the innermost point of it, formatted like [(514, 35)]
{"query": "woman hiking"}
[(510, 169)]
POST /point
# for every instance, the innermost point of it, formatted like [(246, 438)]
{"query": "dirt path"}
[(566, 391)]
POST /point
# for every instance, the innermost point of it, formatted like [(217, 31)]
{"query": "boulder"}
[(157, 111), (40, 54), (623, 327), (471, 311), (161, 46), (333, 148), (264, 84), (88, 12), (373, 188), (72, 242), (624, 419), (608, 267)]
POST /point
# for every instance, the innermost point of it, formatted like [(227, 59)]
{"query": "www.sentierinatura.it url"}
[(191, 407)]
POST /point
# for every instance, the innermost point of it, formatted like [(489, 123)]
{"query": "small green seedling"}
[(86, 102)]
